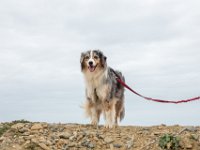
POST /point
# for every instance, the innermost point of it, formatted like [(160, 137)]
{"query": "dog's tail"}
[(122, 114), (86, 106)]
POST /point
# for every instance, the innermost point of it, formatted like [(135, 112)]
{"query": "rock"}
[(29, 137), (72, 144), (65, 135), (23, 130), (111, 147), (185, 143), (45, 125), (188, 146), (72, 138), (25, 133), (81, 136), (2, 138), (129, 144), (191, 128), (156, 133), (43, 146), (17, 126), (75, 134), (36, 126), (34, 140), (91, 145), (108, 140), (26, 144), (117, 145), (59, 143), (48, 143)]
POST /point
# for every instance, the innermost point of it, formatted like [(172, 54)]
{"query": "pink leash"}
[(153, 99)]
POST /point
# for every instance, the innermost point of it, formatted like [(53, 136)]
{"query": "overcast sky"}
[(156, 44)]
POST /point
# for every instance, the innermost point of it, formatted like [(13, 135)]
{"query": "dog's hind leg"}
[(120, 111)]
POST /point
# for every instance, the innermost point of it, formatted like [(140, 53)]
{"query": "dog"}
[(103, 93)]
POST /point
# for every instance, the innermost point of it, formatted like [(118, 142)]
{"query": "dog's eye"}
[(95, 57), (87, 57)]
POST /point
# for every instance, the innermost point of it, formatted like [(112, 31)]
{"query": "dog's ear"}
[(103, 59), (81, 60)]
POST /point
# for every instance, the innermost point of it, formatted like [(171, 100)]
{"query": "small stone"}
[(185, 143), (95, 138), (156, 133), (100, 136), (75, 134), (48, 143), (36, 126), (91, 145), (72, 144), (117, 145), (23, 130), (191, 128), (26, 134), (80, 137), (65, 147), (189, 146), (59, 143), (26, 144), (1, 139), (34, 140), (29, 137), (65, 135), (108, 140), (129, 144), (17, 126), (45, 125), (71, 138), (43, 146), (111, 147)]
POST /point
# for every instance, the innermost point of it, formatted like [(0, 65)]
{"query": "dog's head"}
[(92, 61)]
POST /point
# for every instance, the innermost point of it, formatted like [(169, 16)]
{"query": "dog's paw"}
[(109, 126), (115, 126), (94, 123)]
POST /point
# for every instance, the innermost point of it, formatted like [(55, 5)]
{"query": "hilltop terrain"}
[(24, 135)]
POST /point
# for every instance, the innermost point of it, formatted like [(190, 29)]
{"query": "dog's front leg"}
[(94, 109), (95, 115), (109, 113)]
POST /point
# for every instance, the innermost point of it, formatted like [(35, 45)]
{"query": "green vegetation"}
[(19, 121), (4, 128), (169, 142)]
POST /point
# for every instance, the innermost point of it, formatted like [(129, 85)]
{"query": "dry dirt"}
[(44, 136)]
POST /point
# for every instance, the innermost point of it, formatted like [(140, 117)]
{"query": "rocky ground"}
[(23, 135)]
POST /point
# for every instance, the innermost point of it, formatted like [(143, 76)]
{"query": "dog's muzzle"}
[(91, 67)]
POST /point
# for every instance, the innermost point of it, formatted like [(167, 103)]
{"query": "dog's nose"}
[(90, 63)]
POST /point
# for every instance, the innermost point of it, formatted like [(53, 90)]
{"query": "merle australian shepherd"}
[(103, 93)]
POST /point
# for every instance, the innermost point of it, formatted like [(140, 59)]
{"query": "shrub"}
[(169, 142), (4, 128)]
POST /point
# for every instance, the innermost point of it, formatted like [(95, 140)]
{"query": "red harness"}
[(153, 99)]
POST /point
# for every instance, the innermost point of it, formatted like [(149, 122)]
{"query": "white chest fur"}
[(96, 85)]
